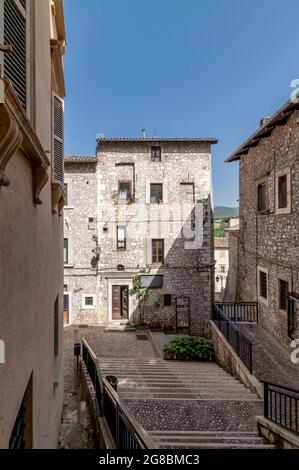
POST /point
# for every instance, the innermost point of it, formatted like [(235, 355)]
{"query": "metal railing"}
[(240, 311), (126, 432), (281, 405), (238, 341)]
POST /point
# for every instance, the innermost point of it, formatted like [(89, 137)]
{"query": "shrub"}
[(190, 347)]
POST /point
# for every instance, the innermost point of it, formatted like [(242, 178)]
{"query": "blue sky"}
[(182, 67)]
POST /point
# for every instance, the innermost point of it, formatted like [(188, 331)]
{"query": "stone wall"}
[(270, 240)]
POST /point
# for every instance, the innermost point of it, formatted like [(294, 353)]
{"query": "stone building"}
[(138, 208), (221, 265), (32, 44), (268, 242)]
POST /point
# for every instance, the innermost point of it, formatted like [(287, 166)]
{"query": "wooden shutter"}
[(58, 138), (16, 35)]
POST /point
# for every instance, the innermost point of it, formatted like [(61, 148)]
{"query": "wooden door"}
[(116, 311), (125, 302)]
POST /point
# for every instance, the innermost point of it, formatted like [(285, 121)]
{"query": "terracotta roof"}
[(211, 140), (220, 242), (80, 159), (277, 119)]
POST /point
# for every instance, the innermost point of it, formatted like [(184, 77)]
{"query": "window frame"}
[(159, 201), (154, 158), (87, 306), (155, 258), (118, 241), (286, 172), (129, 196), (167, 301), (261, 298)]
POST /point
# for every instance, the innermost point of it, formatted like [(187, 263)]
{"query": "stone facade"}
[(31, 268), (269, 239), (185, 174)]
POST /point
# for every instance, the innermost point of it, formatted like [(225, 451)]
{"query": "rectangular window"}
[(283, 288), (156, 193), (167, 300), (124, 190), (157, 251), (222, 269), (66, 194), (262, 197), (263, 285), (66, 251), (16, 26), (153, 282), (282, 192), (121, 238), (88, 301), (58, 139), (56, 327), (156, 154)]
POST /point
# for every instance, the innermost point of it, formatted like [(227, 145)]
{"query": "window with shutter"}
[(58, 139), (283, 288), (263, 285), (262, 197), (15, 33)]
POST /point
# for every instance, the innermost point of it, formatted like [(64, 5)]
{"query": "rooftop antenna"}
[(143, 133), (155, 133)]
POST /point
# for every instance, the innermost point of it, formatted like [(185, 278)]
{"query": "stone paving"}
[(271, 359)]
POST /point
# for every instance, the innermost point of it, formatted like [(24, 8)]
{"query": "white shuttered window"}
[(58, 138)]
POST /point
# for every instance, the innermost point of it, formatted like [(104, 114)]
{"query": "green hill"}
[(223, 212)]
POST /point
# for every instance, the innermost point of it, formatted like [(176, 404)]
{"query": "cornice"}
[(16, 133)]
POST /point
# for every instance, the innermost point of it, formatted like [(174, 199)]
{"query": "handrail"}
[(240, 311), (239, 342), (127, 433), (281, 407)]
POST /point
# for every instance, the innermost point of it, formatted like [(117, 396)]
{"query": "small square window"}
[(222, 269), (167, 300), (156, 154), (89, 301), (156, 193), (66, 251)]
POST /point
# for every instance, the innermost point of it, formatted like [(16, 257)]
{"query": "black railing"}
[(239, 342), (281, 405), (240, 311), (126, 432)]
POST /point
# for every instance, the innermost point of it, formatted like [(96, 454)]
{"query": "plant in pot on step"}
[(189, 348)]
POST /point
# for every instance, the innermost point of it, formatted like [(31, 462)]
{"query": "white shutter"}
[(16, 34), (58, 138)]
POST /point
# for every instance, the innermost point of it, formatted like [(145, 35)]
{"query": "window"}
[(124, 190), (121, 238), (56, 327), (157, 251), (222, 268), (262, 197), (66, 194), (167, 300), (16, 26), (58, 138), (283, 191), (154, 282), (283, 291), (88, 301), (156, 154), (263, 284), (66, 251), (156, 193)]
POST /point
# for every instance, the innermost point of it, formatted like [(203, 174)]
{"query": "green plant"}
[(142, 293), (190, 347)]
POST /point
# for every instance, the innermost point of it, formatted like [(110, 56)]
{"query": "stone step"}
[(201, 445), (188, 397), (204, 433), (211, 440)]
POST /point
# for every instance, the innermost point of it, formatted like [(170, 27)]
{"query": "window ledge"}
[(17, 133), (265, 212), (68, 208), (284, 211), (67, 266)]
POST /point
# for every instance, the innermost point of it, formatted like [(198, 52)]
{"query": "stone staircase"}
[(187, 404), (120, 325)]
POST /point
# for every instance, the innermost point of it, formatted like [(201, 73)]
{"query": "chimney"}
[(143, 133), (264, 121)]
